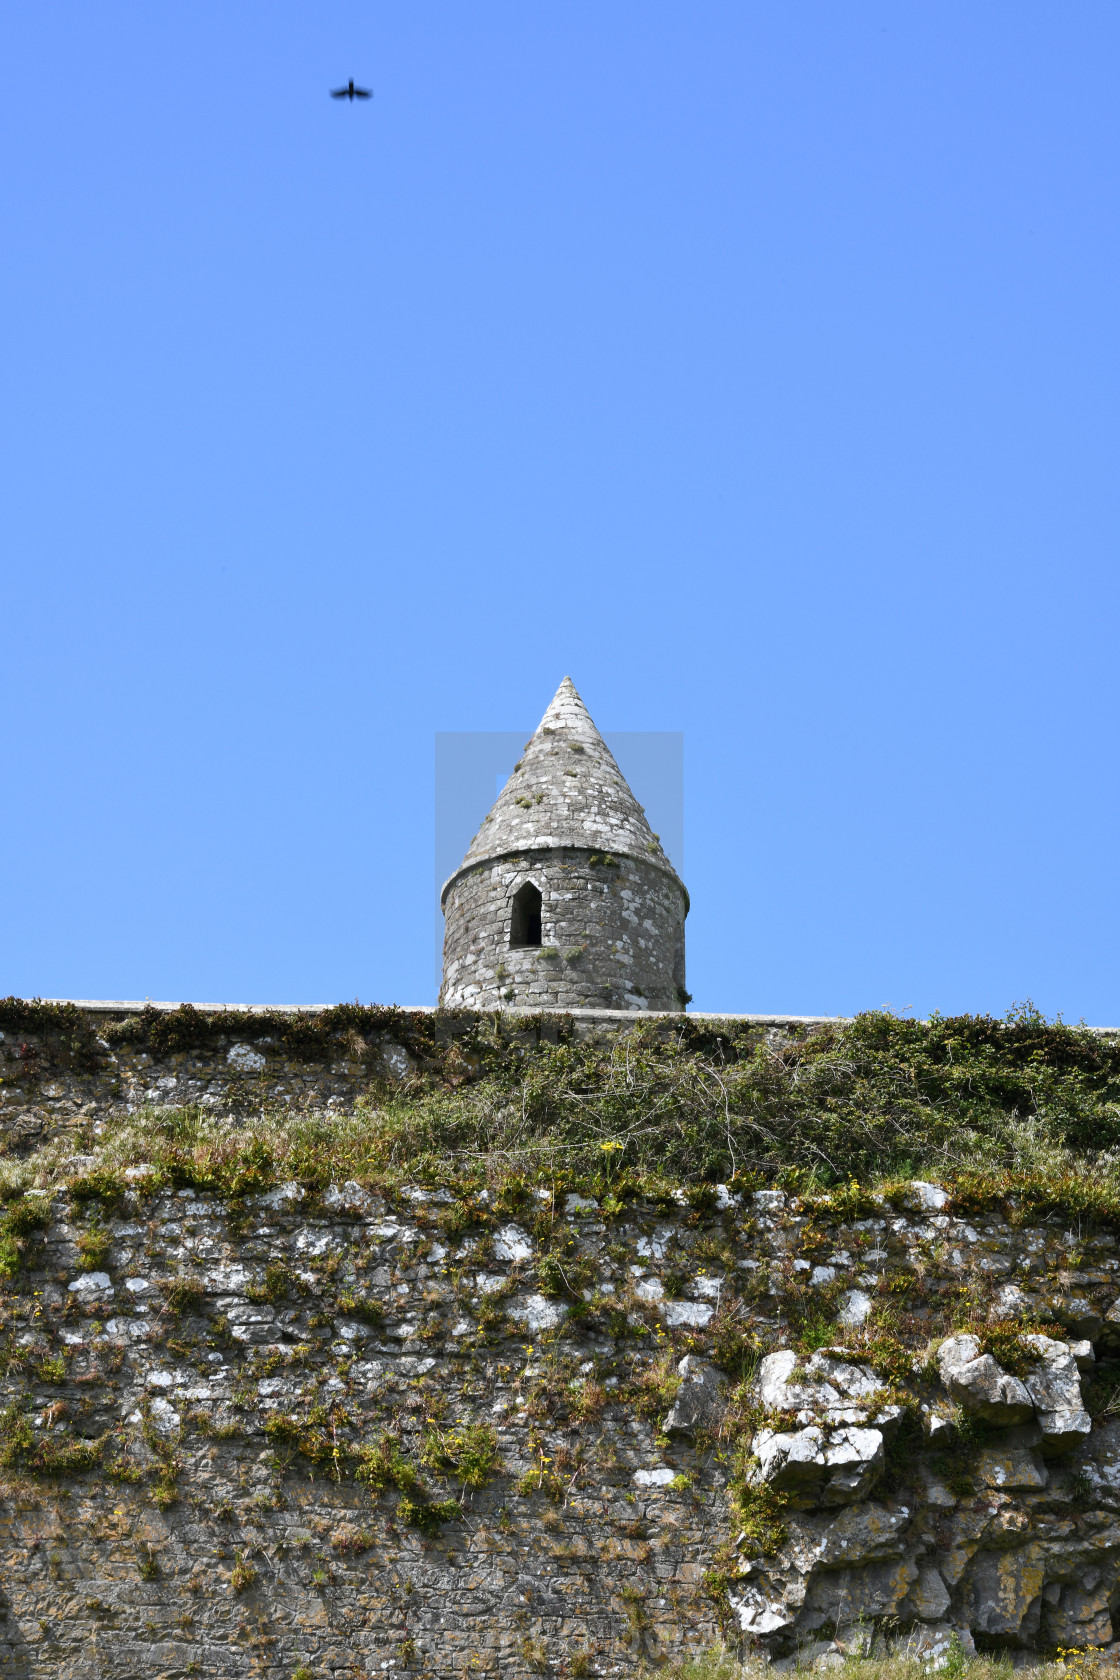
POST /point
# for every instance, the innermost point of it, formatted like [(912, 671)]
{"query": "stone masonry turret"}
[(565, 897)]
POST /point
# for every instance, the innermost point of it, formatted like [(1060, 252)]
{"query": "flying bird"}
[(351, 92)]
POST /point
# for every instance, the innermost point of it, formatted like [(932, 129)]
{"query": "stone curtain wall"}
[(612, 934), (337, 1432)]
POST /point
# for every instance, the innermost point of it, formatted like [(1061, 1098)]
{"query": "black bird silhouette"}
[(351, 92)]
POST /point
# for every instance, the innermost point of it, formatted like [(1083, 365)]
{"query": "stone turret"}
[(565, 897)]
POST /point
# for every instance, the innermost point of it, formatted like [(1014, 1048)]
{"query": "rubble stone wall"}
[(338, 1429)]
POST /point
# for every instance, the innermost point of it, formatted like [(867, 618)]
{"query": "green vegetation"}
[(302, 1036), (243, 1575), (183, 1295), (21, 1218), (93, 1247), (382, 1465), (56, 1454), (760, 1513), (470, 1454), (364, 1307), (148, 1564), (427, 1516), (313, 1433), (876, 1097), (280, 1283), (69, 1036), (1008, 1347), (1025, 1108)]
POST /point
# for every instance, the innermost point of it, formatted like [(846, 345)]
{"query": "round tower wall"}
[(612, 934)]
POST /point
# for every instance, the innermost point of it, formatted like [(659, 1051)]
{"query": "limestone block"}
[(829, 1385), (538, 1313), (1054, 1387), (792, 1461), (927, 1198), (820, 1466), (855, 1308), (1077, 1614), (92, 1286), (773, 1201), (244, 1059), (1010, 1467), (511, 1244), (877, 1589), (814, 1657), (1011, 1302), (701, 1399), (979, 1385), (680, 1313), (760, 1614), (252, 1323), (164, 1416), (854, 1458), (1103, 1483), (1001, 1593), (1079, 1316), (961, 1539), (284, 1196), (346, 1198), (1099, 1465), (928, 1598), (858, 1534), (574, 1203)]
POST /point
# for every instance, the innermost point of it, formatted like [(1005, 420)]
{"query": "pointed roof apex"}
[(567, 711), (567, 790)]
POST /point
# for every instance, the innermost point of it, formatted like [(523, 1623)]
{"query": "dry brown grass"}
[(1072, 1665)]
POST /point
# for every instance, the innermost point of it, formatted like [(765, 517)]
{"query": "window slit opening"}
[(525, 921)]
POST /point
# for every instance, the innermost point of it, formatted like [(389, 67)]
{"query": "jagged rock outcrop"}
[(836, 1455), (1012, 1553)]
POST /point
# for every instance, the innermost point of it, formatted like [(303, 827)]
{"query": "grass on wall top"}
[(972, 1099)]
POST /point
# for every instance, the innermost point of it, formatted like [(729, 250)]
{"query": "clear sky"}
[(755, 364)]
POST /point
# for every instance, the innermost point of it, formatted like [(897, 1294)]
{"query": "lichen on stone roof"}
[(566, 790)]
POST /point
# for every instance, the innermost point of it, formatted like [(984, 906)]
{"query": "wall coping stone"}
[(134, 1006)]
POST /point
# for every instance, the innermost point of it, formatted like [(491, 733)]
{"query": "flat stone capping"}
[(133, 1006)]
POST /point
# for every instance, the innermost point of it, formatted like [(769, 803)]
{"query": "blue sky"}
[(755, 364)]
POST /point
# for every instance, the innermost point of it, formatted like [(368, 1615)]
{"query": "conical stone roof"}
[(567, 790)]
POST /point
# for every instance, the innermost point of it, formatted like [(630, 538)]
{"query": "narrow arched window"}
[(525, 921)]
